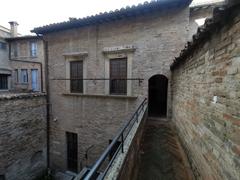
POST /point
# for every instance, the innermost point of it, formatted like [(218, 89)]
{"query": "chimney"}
[(13, 25)]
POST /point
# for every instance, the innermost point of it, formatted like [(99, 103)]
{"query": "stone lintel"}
[(76, 54), (119, 49)]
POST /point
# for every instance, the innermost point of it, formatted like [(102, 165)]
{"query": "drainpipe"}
[(45, 44)]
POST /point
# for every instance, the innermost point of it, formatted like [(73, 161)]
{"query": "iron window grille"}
[(118, 76), (76, 76)]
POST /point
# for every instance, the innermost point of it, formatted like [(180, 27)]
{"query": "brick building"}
[(122, 56), (100, 69)]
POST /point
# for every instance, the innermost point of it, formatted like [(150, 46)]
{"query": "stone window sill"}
[(101, 96)]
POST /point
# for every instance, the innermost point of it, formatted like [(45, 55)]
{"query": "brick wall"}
[(22, 136), (206, 103)]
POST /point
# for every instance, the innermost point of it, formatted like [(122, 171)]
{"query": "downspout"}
[(45, 44)]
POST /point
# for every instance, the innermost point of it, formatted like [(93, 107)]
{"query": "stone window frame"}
[(70, 57), (116, 53)]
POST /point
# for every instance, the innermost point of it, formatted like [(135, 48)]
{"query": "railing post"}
[(122, 143), (137, 116)]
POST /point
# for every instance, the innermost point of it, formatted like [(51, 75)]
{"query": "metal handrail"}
[(107, 151)]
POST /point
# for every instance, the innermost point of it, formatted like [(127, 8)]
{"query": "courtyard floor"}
[(162, 157)]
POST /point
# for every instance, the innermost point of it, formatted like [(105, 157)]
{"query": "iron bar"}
[(122, 143)]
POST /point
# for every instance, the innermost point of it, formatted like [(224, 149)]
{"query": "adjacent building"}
[(5, 69), (22, 106), (26, 58), (21, 61)]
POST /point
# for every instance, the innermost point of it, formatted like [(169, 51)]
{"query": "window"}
[(3, 81), (118, 76), (24, 76), (76, 76), (14, 50), (3, 45), (16, 75), (33, 49), (72, 151)]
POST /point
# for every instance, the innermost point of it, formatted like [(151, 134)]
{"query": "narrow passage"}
[(162, 157)]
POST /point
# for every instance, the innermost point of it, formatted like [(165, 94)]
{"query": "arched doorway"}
[(157, 95)]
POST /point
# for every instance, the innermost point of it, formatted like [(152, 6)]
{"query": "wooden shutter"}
[(76, 76), (118, 76)]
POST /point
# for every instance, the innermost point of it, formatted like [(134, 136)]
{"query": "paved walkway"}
[(162, 157)]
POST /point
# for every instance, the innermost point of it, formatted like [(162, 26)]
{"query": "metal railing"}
[(111, 150)]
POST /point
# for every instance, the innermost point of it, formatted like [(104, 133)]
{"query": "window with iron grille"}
[(118, 76), (33, 49), (24, 75), (76, 76), (3, 81)]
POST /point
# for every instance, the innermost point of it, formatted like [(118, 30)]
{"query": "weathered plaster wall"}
[(25, 61), (158, 38), (206, 104), (22, 136)]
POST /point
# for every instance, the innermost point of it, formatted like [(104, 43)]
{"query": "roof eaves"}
[(22, 38), (146, 7)]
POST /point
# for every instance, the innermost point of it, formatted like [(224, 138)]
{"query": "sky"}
[(31, 13)]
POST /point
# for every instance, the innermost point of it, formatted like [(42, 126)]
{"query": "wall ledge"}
[(101, 96), (10, 95)]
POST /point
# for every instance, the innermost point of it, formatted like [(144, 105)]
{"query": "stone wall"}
[(96, 116), (22, 136), (206, 103)]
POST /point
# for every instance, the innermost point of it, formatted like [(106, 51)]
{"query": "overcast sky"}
[(31, 13)]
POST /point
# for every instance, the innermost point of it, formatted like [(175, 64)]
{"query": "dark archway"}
[(157, 95)]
